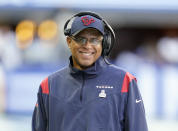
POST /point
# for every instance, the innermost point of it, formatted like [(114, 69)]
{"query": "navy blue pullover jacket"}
[(100, 98)]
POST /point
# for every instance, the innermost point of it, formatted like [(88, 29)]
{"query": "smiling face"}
[(85, 55)]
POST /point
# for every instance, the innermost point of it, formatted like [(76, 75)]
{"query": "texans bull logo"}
[(87, 21)]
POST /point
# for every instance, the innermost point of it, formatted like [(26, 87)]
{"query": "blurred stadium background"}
[(32, 46)]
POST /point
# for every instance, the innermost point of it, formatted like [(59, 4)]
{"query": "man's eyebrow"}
[(94, 36), (81, 36)]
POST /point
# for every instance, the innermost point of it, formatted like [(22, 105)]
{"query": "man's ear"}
[(69, 41)]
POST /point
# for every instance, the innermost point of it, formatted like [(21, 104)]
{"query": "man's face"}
[(86, 48)]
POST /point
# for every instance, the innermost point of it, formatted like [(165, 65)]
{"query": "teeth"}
[(85, 53)]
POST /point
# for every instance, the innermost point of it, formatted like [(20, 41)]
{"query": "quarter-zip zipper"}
[(83, 84)]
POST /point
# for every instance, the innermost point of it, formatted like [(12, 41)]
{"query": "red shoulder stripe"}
[(44, 86), (36, 105), (127, 79)]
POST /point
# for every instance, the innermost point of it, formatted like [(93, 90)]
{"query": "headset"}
[(108, 38)]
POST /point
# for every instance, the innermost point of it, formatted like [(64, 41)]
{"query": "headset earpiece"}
[(108, 38), (106, 44)]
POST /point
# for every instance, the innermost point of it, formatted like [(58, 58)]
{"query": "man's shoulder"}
[(52, 78), (116, 69), (61, 72), (119, 70)]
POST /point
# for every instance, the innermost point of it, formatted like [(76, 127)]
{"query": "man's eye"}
[(95, 41), (81, 40)]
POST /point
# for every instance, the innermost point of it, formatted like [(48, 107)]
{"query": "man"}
[(90, 94)]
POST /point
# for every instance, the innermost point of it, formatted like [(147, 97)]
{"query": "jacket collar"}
[(89, 72)]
